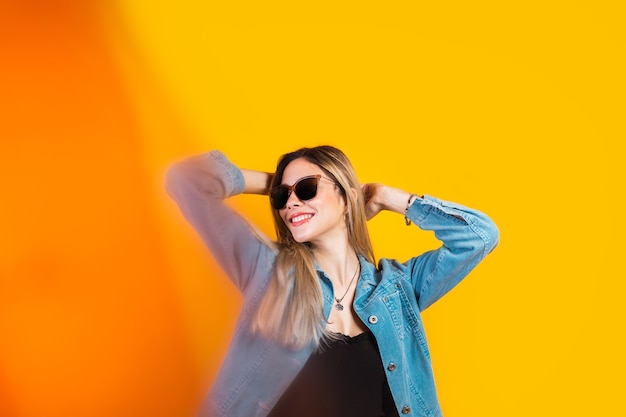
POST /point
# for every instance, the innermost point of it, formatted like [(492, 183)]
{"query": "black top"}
[(344, 379)]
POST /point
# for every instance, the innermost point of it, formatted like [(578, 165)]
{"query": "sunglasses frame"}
[(292, 189)]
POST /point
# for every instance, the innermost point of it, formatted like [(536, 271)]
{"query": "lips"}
[(299, 219)]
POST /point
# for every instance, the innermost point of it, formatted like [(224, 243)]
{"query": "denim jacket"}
[(388, 299)]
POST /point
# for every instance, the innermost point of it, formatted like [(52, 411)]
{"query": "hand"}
[(373, 196)]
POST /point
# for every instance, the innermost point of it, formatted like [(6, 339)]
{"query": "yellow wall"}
[(110, 305)]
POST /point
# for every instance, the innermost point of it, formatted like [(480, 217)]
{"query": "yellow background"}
[(111, 306)]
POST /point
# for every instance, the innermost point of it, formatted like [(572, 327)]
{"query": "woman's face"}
[(320, 218)]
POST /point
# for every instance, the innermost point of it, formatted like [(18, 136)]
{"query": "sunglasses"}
[(305, 189)]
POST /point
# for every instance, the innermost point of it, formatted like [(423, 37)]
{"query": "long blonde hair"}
[(291, 310)]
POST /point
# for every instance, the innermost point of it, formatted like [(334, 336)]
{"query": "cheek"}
[(332, 209), (339, 203)]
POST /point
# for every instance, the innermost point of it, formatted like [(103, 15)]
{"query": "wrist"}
[(395, 199), (410, 201)]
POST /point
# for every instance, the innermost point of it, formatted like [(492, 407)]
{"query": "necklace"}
[(339, 306)]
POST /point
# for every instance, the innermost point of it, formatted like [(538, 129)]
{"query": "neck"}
[(339, 262)]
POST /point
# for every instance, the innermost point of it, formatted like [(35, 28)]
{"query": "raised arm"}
[(467, 236), (199, 185), (379, 197), (256, 182)]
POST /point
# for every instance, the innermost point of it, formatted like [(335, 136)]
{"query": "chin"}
[(301, 236), (300, 239)]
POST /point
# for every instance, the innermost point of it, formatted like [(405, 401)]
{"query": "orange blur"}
[(90, 323)]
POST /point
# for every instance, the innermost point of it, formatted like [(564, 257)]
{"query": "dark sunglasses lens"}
[(279, 197), (306, 188)]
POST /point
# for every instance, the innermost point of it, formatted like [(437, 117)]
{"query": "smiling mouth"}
[(300, 219)]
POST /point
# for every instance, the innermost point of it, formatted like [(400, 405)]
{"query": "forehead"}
[(299, 168)]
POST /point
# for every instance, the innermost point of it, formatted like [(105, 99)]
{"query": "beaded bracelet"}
[(407, 221)]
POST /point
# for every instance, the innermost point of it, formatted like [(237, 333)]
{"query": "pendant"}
[(339, 306)]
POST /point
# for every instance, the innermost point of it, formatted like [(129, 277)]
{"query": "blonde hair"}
[(291, 310)]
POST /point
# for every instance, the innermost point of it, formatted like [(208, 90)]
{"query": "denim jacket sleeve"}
[(467, 235), (199, 186)]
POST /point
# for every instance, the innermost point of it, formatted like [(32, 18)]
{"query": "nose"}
[(293, 200)]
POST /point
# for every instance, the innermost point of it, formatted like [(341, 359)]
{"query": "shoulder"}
[(392, 268), (388, 272)]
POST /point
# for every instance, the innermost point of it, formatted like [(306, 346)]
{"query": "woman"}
[(323, 331)]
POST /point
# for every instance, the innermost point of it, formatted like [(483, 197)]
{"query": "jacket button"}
[(373, 319), (391, 367), (398, 285), (406, 409)]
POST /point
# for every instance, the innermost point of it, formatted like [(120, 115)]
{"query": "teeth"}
[(300, 218)]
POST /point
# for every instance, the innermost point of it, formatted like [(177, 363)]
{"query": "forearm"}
[(380, 197), (256, 182), (458, 227), (395, 199)]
